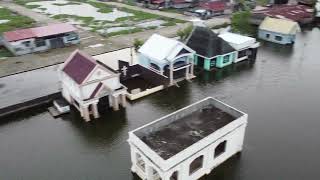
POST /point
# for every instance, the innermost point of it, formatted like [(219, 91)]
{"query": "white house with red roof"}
[(85, 81), (25, 41)]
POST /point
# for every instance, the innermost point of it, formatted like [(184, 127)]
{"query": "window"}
[(226, 59), (267, 36), (196, 165), (140, 162), (220, 149), (26, 43), (242, 53), (278, 38), (174, 176), (154, 66), (213, 62), (40, 42)]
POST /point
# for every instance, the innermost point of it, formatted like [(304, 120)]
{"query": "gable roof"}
[(279, 25), (208, 44), (162, 49), (52, 29), (79, 66)]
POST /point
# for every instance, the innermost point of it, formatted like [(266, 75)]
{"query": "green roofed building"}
[(211, 50)]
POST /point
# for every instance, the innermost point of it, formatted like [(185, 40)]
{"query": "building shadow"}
[(205, 77), (228, 170), (101, 131)]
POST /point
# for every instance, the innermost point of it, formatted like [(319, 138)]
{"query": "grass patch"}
[(69, 3), (124, 32), (5, 53), (15, 21), (23, 2), (85, 20), (220, 26)]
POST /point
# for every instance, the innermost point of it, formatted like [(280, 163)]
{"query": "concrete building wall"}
[(272, 37), (234, 143)]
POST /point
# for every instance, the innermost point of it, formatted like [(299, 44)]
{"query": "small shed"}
[(279, 31), (211, 50), (167, 57), (246, 46)]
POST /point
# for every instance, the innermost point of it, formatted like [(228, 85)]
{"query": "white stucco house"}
[(189, 143), (167, 57), (84, 82)]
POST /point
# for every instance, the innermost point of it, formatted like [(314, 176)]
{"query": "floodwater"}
[(280, 92), (77, 9)]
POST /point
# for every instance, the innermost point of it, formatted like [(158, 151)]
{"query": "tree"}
[(137, 43), (240, 23), (184, 33)]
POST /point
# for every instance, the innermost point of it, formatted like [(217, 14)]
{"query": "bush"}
[(240, 23), (184, 33), (137, 43)]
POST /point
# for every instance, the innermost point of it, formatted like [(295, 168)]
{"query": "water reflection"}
[(100, 131), (205, 77), (172, 98)]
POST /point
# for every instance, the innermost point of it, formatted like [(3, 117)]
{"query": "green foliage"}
[(128, 31), (184, 33), (15, 21), (240, 23), (137, 43), (5, 53)]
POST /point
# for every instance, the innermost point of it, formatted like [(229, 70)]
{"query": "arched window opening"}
[(220, 149), (196, 165)]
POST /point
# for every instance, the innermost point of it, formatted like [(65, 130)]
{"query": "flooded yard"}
[(99, 17), (280, 93)]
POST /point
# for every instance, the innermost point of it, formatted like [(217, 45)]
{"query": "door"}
[(56, 43)]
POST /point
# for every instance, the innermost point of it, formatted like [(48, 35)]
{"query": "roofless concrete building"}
[(85, 82), (189, 143)]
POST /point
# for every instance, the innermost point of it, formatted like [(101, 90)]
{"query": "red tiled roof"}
[(214, 5), (43, 31), (79, 66), (293, 12)]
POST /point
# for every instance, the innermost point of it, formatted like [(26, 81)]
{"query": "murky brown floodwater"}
[(280, 93)]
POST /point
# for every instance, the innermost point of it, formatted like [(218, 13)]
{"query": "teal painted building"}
[(211, 50)]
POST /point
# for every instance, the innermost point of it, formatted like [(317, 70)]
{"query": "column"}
[(95, 110), (187, 73), (115, 104), (123, 100), (192, 69), (171, 73), (86, 114)]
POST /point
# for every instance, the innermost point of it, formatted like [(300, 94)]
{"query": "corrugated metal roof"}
[(279, 25), (43, 31), (293, 12), (214, 5)]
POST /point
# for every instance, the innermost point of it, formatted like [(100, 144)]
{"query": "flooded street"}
[(280, 93)]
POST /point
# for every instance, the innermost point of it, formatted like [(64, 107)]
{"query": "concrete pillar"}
[(86, 114), (95, 110), (187, 73), (171, 73), (115, 104), (123, 100)]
